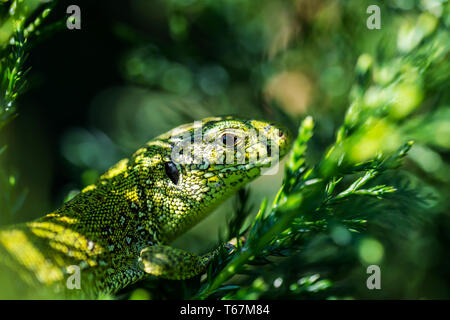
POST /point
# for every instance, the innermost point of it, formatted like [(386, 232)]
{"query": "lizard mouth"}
[(274, 146), (284, 140)]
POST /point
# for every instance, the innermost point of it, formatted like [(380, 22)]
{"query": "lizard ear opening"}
[(172, 172)]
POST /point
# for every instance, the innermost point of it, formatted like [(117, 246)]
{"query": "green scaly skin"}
[(117, 230)]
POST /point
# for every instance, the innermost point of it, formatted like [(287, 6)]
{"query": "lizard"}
[(118, 230)]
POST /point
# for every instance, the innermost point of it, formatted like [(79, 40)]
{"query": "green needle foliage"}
[(281, 230), (17, 25), (314, 199)]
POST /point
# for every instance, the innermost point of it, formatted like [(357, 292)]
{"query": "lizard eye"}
[(172, 172)]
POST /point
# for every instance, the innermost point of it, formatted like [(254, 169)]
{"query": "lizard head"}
[(196, 166)]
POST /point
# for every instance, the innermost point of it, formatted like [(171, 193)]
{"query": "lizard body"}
[(118, 230)]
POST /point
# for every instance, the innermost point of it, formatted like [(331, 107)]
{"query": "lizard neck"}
[(101, 230)]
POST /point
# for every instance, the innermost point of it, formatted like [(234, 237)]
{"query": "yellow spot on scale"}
[(131, 195), (117, 169), (67, 220), (89, 188), (63, 235), (19, 246)]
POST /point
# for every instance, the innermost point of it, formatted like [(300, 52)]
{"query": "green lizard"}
[(117, 231)]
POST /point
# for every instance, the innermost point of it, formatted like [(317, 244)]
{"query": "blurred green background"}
[(138, 68)]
